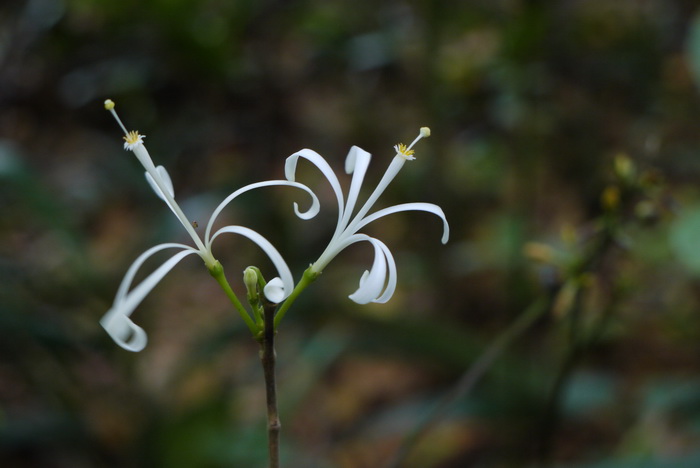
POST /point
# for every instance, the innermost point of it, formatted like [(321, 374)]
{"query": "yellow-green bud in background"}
[(610, 198), (569, 235), (539, 252), (624, 168), (646, 210)]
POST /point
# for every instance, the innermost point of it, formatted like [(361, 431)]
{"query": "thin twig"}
[(268, 358), (469, 379), (571, 361), (579, 344)]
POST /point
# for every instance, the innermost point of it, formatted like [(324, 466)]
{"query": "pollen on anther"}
[(402, 150), (131, 139)]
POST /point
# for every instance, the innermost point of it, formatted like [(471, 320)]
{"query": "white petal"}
[(372, 282), (356, 158), (308, 214), (418, 206), (135, 296), (167, 183), (165, 180), (161, 179), (393, 276), (393, 169), (133, 269), (375, 280), (290, 168), (116, 321), (277, 260), (123, 331), (274, 290), (141, 154), (356, 164)]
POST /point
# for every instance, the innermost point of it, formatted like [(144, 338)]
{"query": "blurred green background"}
[(530, 103)]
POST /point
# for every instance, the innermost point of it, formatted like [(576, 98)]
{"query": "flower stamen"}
[(131, 139), (404, 151)]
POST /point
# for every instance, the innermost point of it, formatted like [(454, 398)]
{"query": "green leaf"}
[(693, 48), (685, 237)]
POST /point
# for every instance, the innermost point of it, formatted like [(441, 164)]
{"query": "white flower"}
[(377, 284), (117, 320)]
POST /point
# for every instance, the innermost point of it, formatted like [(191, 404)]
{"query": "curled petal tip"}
[(278, 288), (362, 295), (373, 283), (165, 180), (356, 153), (125, 332), (311, 212), (274, 290)]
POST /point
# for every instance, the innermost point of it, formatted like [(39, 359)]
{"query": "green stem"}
[(309, 277), (470, 378), (217, 271)]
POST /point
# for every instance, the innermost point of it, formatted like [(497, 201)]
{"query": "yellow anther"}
[(403, 150), (109, 104), (132, 137)]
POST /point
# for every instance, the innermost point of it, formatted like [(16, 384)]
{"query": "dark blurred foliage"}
[(565, 153)]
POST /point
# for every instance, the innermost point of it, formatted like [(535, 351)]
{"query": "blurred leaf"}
[(589, 392), (689, 461), (685, 238), (207, 437), (693, 48)]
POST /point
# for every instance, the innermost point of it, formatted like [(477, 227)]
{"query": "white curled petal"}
[(391, 172), (167, 183), (165, 180), (393, 275), (356, 164), (418, 206), (116, 321), (133, 269), (154, 186), (372, 282), (308, 214), (274, 290), (357, 160), (290, 169), (136, 295), (285, 274), (123, 331)]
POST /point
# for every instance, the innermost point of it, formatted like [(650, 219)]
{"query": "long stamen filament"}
[(424, 133), (109, 105)]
